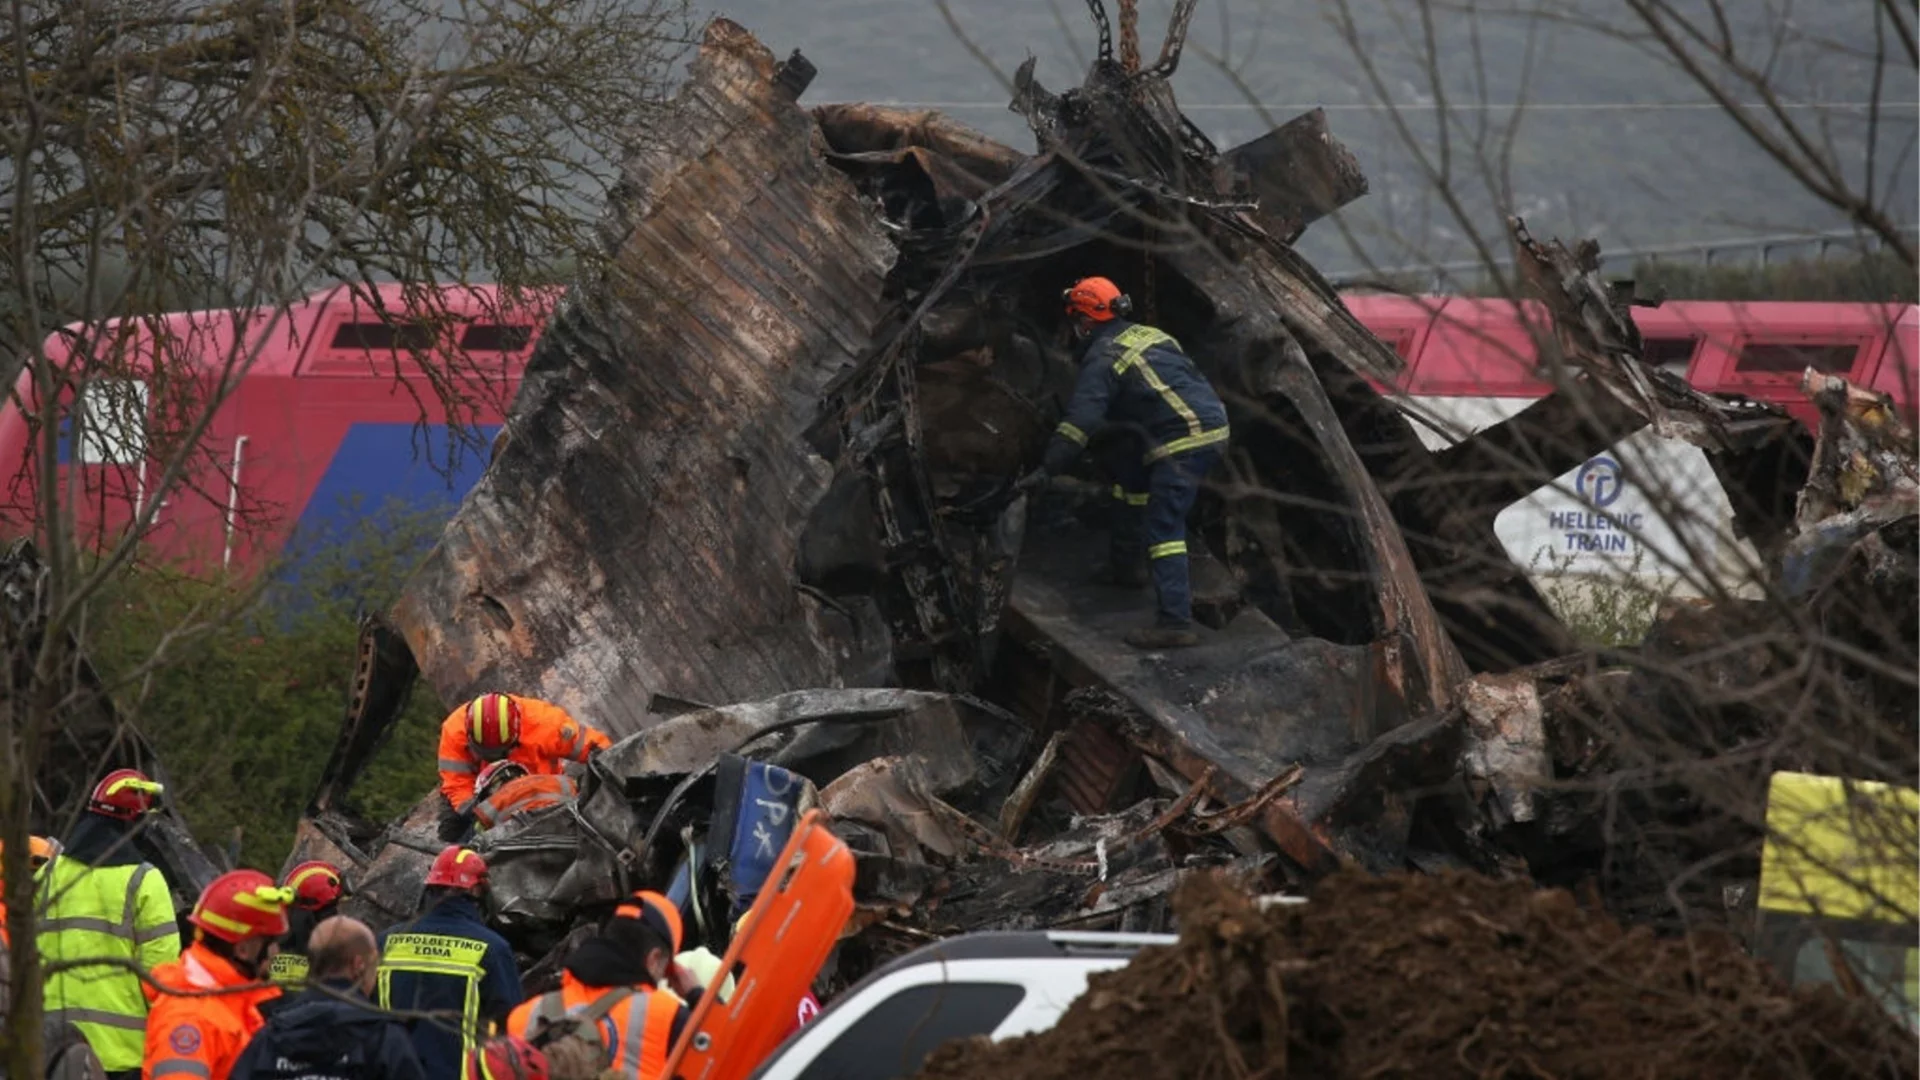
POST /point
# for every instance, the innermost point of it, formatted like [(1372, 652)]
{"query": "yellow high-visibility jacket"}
[(115, 912)]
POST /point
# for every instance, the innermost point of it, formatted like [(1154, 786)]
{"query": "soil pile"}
[(1441, 976)]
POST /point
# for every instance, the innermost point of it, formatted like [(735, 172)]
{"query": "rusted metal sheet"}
[(637, 531)]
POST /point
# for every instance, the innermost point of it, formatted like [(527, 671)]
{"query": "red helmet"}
[(124, 794), (1096, 298), (493, 724), (242, 904), (508, 1057), (458, 868), (497, 773), (315, 885), (655, 911)]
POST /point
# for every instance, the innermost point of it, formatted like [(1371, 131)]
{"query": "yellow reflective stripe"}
[(1131, 498), (225, 923), (1071, 433), (437, 950), (289, 969), (1174, 401), (1171, 547), (1189, 442)]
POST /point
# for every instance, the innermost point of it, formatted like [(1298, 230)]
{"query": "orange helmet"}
[(40, 851), (493, 724), (458, 868), (315, 885), (242, 904), (508, 1057), (497, 774), (124, 795), (656, 911), (1096, 298)]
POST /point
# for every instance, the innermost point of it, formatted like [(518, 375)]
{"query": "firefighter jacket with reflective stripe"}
[(549, 738), (199, 1038), (523, 795), (1137, 377), (118, 913), (448, 961), (637, 1032)]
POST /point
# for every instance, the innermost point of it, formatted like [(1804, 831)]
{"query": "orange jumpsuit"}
[(199, 1038), (549, 738), (523, 795), (637, 1032)]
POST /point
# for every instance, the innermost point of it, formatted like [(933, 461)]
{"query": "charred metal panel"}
[(1299, 172), (637, 532)]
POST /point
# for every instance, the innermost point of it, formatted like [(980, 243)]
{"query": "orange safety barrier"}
[(785, 937)]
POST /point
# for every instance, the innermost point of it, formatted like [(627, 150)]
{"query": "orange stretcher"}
[(779, 947)]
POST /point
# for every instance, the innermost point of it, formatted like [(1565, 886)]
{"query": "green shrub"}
[(246, 698), (1600, 612)]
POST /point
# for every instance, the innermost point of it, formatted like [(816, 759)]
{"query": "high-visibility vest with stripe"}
[(443, 955), (637, 1032), (289, 970), (115, 913)]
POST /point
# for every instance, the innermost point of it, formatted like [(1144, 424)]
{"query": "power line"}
[(1543, 106)]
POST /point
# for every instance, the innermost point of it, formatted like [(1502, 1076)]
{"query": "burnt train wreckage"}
[(766, 458)]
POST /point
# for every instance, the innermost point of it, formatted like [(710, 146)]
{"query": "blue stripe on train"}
[(387, 493)]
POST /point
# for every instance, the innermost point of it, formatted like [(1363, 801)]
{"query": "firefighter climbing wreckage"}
[(1136, 383)]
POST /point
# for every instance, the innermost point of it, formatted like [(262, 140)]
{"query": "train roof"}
[(336, 331), (1712, 317)]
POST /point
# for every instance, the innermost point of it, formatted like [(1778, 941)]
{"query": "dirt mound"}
[(1431, 977)]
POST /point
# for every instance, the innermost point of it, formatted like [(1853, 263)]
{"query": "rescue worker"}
[(238, 922), (318, 889), (1135, 376), (330, 1029), (448, 961), (506, 788), (507, 1058), (495, 727), (632, 956), (99, 900)]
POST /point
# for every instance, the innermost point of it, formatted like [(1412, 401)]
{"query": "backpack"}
[(571, 1040)]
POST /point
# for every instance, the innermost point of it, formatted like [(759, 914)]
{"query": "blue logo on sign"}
[(1599, 482)]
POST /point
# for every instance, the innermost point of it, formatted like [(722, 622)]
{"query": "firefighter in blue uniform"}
[(1135, 376), (448, 961)]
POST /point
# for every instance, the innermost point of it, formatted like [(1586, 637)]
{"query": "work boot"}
[(1163, 636)]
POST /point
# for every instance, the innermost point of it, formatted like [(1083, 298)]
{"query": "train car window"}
[(379, 335), (1673, 354), (1781, 358), (496, 337), (112, 415)]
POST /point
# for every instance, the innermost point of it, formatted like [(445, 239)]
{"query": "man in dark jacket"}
[(448, 961), (331, 1031), (1135, 377)]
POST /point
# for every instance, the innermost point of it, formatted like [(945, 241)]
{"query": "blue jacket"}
[(319, 1035), (1136, 376), (448, 960)]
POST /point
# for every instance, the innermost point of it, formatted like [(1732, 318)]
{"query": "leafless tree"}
[(243, 154)]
